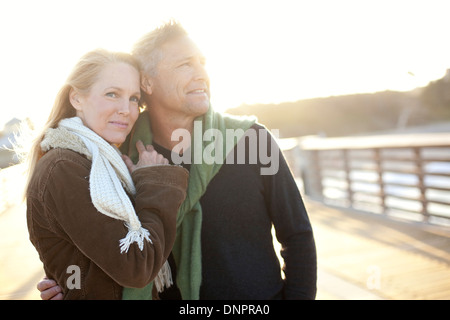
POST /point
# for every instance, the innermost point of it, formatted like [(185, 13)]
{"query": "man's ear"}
[(75, 99), (147, 85)]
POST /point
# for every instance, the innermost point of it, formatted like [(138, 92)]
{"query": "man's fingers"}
[(54, 293), (59, 296), (49, 290), (45, 284)]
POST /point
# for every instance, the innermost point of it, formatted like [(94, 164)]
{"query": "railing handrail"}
[(375, 141)]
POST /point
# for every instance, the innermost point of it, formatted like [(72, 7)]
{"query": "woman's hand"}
[(147, 157)]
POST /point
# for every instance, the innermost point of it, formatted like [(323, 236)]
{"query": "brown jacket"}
[(69, 233)]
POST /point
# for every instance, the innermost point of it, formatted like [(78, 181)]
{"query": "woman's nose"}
[(124, 107)]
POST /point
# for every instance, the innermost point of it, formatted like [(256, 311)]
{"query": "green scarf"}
[(187, 247)]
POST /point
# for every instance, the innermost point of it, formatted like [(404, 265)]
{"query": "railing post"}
[(421, 182), (310, 173), (379, 169), (317, 176), (347, 169)]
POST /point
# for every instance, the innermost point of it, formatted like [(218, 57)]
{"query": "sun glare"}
[(257, 51)]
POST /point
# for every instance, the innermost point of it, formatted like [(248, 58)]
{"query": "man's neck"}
[(164, 125)]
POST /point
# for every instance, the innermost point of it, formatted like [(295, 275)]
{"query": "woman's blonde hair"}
[(83, 76)]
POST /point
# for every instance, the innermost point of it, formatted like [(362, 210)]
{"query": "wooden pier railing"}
[(406, 175)]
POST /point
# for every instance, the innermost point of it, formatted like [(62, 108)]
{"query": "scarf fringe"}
[(164, 278), (137, 236)]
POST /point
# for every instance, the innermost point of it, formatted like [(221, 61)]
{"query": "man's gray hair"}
[(147, 51)]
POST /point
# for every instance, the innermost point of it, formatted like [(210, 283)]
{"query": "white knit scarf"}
[(108, 180)]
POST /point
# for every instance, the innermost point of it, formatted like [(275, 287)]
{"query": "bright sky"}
[(257, 51)]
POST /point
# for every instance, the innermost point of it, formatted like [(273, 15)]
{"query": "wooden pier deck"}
[(388, 258)]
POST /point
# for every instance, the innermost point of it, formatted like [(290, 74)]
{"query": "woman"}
[(99, 224)]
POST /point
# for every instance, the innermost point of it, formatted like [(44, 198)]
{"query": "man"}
[(237, 190)]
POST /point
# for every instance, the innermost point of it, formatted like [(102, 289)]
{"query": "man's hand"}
[(147, 157), (49, 289)]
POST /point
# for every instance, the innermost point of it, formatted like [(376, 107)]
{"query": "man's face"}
[(181, 84)]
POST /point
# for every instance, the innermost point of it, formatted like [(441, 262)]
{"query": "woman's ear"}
[(75, 99), (146, 85)]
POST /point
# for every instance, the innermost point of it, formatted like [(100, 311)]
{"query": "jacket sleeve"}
[(160, 192), (292, 227)]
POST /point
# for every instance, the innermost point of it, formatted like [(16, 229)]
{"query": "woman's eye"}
[(111, 94), (135, 99)]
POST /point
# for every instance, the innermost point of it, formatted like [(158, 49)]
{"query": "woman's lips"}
[(119, 124)]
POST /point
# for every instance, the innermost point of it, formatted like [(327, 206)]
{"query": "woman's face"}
[(111, 107)]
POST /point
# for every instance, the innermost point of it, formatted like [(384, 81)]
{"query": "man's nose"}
[(200, 72)]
